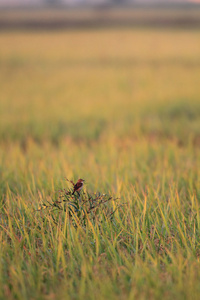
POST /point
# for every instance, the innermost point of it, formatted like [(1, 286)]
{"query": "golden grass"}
[(120, 108)]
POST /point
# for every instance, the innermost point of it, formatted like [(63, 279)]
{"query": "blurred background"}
[(83, 72), (92, 2), (83, 13)]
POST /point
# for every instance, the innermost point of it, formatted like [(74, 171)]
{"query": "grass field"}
[(121, 109)]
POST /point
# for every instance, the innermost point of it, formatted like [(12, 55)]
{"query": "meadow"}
[(119, 107)]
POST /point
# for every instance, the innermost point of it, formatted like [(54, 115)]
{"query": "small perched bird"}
[(78, 186)]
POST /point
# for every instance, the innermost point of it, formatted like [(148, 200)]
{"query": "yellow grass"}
[(121, 109)]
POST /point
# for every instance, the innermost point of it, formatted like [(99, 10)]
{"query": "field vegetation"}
[(119, 107)]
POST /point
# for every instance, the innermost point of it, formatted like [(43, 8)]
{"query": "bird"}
[(78, 186)]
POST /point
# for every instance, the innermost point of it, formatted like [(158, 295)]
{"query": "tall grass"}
[(121, 109)]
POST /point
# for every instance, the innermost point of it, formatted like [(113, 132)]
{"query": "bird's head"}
[(81, 180)]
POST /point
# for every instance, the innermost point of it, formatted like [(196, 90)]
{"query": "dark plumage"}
[(78, 186)]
